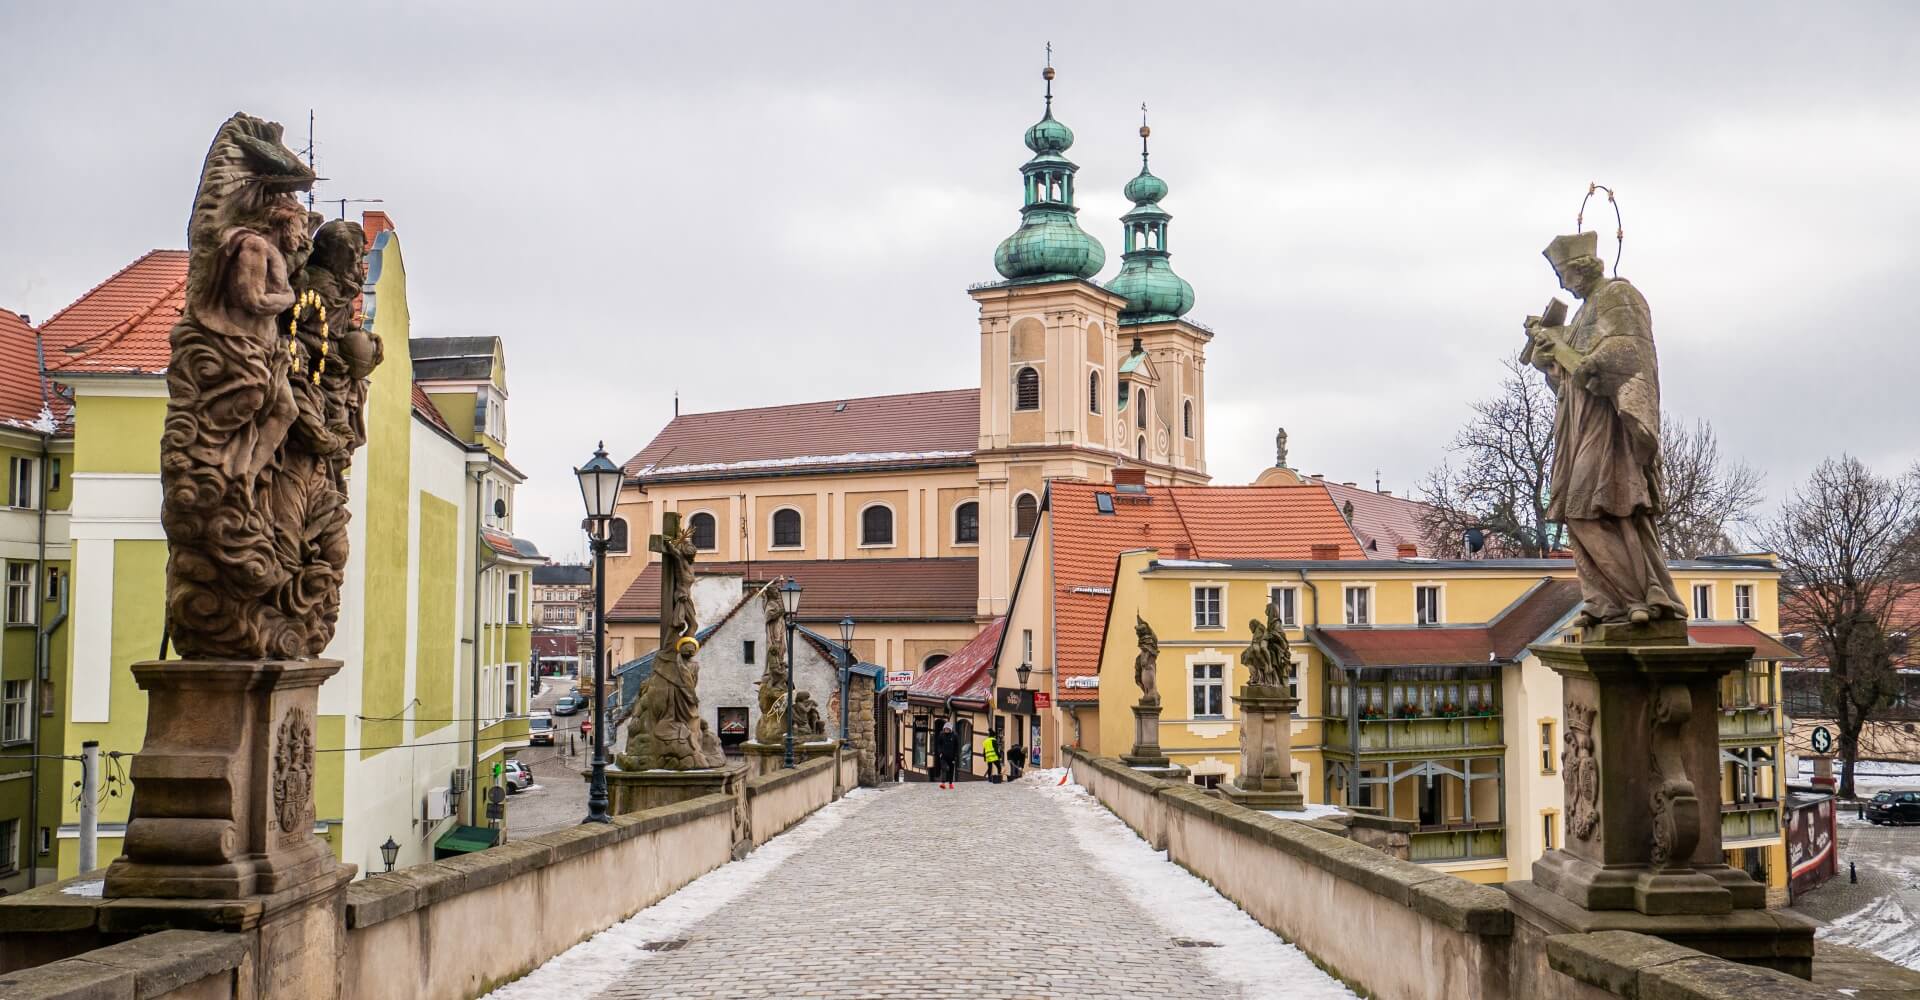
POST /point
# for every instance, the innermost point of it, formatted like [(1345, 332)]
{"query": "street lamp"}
[(599, 488), (1024, 671), (790, 602), (389, 852), (846, 671)]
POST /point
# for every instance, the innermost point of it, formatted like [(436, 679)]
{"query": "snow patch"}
[(1261, 962), (602, 961), (1883, 927), (95, 887), (1312, 810)]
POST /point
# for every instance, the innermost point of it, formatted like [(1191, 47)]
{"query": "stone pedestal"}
[(220, 833), (1146, 739), (1266, 778), (1640, 762), (766, 758), (223, 785), (637, 791)]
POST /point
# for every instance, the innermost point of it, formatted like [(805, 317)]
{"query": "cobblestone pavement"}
[(924, 893), (559, 797), (1880, 913)]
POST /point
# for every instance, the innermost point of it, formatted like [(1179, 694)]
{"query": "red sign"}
[(1042, 699)]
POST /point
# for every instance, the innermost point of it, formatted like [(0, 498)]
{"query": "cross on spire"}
[(1047, 75), (1144, 132)]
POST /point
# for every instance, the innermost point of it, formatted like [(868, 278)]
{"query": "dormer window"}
[(490, 413)]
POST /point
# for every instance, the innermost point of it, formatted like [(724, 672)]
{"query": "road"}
[(558, 798), (1881, 913)]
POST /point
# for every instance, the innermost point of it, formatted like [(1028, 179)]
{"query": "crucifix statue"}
[(667, 731)]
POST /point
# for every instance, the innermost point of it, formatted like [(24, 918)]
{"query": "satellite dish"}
[(1476, 540), (499, 508)]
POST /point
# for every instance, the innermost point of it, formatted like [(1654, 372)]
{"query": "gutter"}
[(41, 653)]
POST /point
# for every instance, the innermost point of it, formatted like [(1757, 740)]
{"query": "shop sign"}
[(1042, 700), (1014, 701)]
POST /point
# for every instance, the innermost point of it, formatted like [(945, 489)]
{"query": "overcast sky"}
[(786, 202)]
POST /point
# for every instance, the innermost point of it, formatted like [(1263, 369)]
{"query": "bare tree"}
[(1847, 541), (1499, 488), (1706, 496)]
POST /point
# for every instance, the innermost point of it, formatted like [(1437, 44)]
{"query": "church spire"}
[(1049, 245), (1146, 277)]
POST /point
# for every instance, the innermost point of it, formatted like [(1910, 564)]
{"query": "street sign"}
[(1042, 700), (496, 811), (1822, 740), (496, 795), (899, 678)]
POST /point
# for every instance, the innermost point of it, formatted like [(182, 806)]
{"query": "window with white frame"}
[(513, 598), (1547, 829), (1703, 602), (15, 720), (56, 583), (1547, 758), (1359, 602), (1286, 605), (705, 531), (966, 523), (1026, 645), (1426, 604), (1026, 515), (1209, 690), (786, 528), (19, 593), (1743, 601), (21, 491), (512, 698), (1206, 607)]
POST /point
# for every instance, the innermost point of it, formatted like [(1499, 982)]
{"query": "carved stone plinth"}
[(1640, 762), (637, 791), (1266, 778), (1146, 739), (766, 758), (223, 786)]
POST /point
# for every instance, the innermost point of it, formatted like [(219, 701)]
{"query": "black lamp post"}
[(846, 671), (1023, 671), (389, 852), (790, 602), (599, 488)]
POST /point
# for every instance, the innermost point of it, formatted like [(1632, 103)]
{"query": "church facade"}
[(914, 513)]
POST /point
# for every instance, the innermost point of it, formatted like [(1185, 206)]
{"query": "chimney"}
[(1137, 348), (1316, 475), (1349, 485), (1181, 550), (1326, 553), (1386, 493), (1408, 550), (375, 223), (1129, 477)]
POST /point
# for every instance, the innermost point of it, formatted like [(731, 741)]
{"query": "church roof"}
[(907, 430), (863, 589)]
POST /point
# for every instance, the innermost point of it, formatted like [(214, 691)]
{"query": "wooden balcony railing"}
[(1745, 722), (1746, 820), (1459, 843), (1426, 733)]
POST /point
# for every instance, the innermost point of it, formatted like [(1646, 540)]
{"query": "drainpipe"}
[(1353, 705), (473, 740), (40, 651)]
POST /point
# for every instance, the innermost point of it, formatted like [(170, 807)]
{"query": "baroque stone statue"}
[(1606, 482), (1280, 448), (1146, 662), (667, 731), (266, 384), (1258, 657)]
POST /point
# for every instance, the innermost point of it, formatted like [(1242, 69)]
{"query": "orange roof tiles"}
[(1211, 522), (1765, 647), (26, 402), (908, 429), (865, 589), (120, 326), (1505, 638), (1382, 521), (967, 676)]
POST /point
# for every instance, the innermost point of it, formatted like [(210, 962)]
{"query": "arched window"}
[(1093, 392), (705, 537), (1026, 390), (933, 660), (617, 536), (966, 524), (786, 528), (876, 525), (1026, 513), (1140, 402), (1186, 418), (1140, 448)]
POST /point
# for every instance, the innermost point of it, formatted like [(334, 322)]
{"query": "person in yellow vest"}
[(990, 749)]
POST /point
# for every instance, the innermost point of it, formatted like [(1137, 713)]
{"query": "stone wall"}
[(860, 728), (1339, 900), (174, 965), (778, 800)]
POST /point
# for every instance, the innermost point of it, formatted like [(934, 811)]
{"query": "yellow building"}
[(929, 503), (1419, 696)]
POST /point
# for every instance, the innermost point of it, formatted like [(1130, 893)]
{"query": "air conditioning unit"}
[(437, 804)]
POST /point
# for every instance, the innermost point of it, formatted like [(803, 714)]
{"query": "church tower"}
[(1054, 358)]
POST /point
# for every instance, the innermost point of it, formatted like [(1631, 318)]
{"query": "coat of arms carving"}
[(293, 774)]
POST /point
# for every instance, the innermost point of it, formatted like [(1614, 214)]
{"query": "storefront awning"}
[(464, 840)]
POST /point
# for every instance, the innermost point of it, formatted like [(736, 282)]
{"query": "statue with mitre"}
[(1606, 483)]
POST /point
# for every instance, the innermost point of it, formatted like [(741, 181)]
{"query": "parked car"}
[(569, 704), (540, 729), (517, 776), (1895, 805)]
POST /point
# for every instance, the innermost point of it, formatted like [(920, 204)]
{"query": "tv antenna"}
[(344, 202)]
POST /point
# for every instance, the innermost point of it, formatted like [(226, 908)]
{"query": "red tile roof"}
[(967, 676), (26, 401), (909, 429), (1212, 522), (1505, 638), (1765, 647), (423, 405), (864, 589), (1901, 617), (1382, 521), (120, 326)]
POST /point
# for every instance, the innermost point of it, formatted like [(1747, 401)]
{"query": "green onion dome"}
[(1049, 245), (1153, 292), (1144, 188), (1049, 135)]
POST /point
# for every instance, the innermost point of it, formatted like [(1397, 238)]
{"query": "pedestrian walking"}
[(990, 749), (946, 754), (1016, 756)]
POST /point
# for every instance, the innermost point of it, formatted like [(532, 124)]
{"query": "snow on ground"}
[(1870, 776), (593, 964), (1883, 927), (1262, 962), (1313, 810)]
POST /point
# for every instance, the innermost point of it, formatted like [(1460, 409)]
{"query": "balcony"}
[(1747, 723), (1459, 842), (1418, 735), (1747, 820)]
